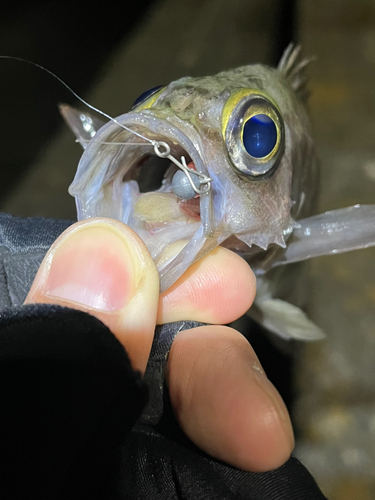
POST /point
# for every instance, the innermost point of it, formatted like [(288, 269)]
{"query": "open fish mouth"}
[(122, 176), (155, 175)]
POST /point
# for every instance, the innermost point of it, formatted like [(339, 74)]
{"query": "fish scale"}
[(262, 205)]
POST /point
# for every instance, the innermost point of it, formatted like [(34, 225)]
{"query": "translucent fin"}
[(286, 320), (293, 66), (332, 232), (83, 124)]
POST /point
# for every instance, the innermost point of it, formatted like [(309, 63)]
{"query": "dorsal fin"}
[(293, 66)]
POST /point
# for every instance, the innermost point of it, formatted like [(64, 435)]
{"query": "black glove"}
[(71, 407)]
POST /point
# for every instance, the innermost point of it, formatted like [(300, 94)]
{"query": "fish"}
[(220, 160)]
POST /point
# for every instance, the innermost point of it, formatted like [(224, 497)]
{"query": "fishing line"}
[(204, 180), (31, 63), (161, 148), (92, 141)]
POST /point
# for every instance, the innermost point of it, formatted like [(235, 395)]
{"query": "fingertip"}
[(102, 267), (224, 402), (217, 289)]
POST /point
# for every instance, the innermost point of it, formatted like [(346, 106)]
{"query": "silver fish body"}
[(259, 206)]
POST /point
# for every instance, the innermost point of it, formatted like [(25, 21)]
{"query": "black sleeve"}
[(70, 426), (68, 399)]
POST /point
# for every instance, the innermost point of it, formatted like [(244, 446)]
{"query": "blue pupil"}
[(145, 95), (259, 136)]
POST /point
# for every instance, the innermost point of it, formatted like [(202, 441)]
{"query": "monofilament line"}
[(157, 145)]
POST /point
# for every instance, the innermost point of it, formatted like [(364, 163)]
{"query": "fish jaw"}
[(188, 116), (103, 185)]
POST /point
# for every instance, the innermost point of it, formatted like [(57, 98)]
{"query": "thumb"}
[(102, 267)]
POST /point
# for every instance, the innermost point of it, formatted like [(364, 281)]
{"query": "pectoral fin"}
[(337, 231), (83, 124), (286, 320)]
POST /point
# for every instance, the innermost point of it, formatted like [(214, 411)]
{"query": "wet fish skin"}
[(188, 114), (265, 220)]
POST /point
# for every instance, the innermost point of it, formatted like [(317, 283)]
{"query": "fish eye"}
[(253, 131), (146, 95)]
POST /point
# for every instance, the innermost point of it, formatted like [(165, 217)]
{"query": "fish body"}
[(239, 170)]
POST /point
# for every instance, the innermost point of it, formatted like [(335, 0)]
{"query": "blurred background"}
[(111, 56)]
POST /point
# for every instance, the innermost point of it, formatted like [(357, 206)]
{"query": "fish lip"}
[(161, 128), (91, 175)]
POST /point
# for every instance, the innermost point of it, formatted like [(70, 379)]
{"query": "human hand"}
[(220, 395)]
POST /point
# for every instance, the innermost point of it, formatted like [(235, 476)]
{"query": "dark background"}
[(74, 44)]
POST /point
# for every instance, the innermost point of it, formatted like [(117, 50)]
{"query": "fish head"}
[(243, 136)]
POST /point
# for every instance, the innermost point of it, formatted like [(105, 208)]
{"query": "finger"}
[(102, 267), (217, 289), (224, 401)]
